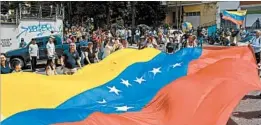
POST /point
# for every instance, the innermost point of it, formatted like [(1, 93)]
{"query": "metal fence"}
[(41, 12), (33, 12), (255, 26)]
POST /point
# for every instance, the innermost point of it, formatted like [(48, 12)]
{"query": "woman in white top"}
[(50, 68), (107, 49), (191, 42)]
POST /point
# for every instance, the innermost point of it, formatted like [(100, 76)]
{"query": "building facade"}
[(197, 12), (201, 13), (229, 6)]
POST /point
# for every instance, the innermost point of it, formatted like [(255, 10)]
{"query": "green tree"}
[(151, 13), (4, 7)]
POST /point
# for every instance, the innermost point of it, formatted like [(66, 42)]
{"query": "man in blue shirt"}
[(70, 59), (255, 43)]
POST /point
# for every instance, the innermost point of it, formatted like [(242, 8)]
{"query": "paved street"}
[(247, 111)]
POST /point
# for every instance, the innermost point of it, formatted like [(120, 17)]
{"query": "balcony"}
[(186, 3)]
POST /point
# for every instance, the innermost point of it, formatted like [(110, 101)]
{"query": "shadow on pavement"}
[(231, 122), (248, 115), (251, 97)]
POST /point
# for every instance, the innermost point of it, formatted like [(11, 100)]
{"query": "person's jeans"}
[(176, 46), (137, 39), (82, 57), (200, 41), (33, 63), (129, 40), (257, 55)]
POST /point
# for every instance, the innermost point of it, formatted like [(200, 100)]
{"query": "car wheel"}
[(20, 61)]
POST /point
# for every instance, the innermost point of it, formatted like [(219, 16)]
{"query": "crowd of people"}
[(87, 47)]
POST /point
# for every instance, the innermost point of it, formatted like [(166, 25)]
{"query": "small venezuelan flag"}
[(236, 17)]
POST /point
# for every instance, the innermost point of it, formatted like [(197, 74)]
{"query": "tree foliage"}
[(151, 13), (4, 7)]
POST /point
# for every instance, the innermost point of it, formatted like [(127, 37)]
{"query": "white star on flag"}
[(123, 108), (176, 65), (139, 80), (102, 102), (125, 82), (156, 70), (114, 89)]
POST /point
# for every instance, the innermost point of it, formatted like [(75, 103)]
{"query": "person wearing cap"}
[(22, 44), (51, 49), (34, 54)]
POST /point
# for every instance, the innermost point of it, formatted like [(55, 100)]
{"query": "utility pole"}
[(176, 10), (109, 11), (70, 12), (180, 14), (133, 20)]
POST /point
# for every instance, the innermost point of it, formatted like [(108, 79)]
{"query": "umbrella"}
[(117, 26), (144, 26)]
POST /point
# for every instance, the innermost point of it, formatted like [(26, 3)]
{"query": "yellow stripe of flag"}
[(239, 12), (25, 91)]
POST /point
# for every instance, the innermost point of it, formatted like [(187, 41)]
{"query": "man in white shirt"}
[(129, 36), (137, 36), (34, 54), (51, 49)]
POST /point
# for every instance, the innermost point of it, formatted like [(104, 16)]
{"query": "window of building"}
[(192, 14)]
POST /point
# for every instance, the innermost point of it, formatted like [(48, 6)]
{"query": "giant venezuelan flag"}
[(236, 17), (133, 87)]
